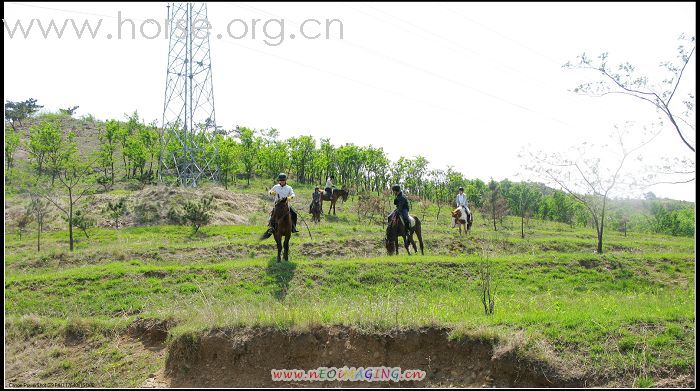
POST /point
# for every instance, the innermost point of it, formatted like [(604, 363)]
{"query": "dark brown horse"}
[(396, 228), (316, 211), (342, 193), (282, 220)]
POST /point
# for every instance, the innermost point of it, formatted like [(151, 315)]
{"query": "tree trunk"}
[(70, 220), (522, 226), (38, 236)]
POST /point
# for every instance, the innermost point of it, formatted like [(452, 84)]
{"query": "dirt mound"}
[(245, 357), (151, 205), (152, 332)]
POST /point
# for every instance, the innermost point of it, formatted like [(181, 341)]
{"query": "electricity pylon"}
[(189, 120)]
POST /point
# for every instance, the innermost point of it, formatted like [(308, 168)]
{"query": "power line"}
[(431, 73)]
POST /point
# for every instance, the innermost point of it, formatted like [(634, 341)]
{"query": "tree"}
[(109, 139), (585, 178), (11, 145), (198, 214), (82, 222), (69, 111), (40, 208), (526, 196), (73, 176), (250, 145), (496, 205), (627, 81), (116, 210), (23, 220), (16, 112), (44, 140)]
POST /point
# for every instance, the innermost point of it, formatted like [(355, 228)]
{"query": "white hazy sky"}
[(463, 84)]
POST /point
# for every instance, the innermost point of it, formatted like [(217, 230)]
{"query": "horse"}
[(396, 228), (462, 218), (342, 193), (316, 211), (282, 220)]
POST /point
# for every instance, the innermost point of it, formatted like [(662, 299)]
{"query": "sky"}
[(469, 85)]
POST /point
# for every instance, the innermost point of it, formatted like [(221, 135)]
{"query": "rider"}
[(461, 202), (329, 186), (402, 206), (315, 198), (279, 191)]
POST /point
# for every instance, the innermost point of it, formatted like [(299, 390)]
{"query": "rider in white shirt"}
[(461, 202), (282, 190), (329, 186)]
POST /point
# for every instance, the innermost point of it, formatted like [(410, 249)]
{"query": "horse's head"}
[(281, 207), (457, 213), (344, 193), (389, 244)]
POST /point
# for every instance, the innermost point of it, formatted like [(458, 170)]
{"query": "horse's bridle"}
[(286, 201)]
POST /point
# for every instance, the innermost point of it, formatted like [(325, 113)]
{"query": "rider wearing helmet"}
[(402, 206), (461, 201), (315, 198), (279, 191)]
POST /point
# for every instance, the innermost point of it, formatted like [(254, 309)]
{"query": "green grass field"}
[(627, 313)]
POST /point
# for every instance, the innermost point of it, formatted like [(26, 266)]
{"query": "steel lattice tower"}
[(189, 120)]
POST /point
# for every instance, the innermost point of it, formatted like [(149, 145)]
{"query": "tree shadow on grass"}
[(281, 274)]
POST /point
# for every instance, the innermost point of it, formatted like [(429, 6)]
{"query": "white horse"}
[(462, 217)]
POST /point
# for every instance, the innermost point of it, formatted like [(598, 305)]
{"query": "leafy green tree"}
[(74, 178), (116, 211), (12, 142), (496, 205), (301, 150), (250, 146), (109, 138), (69, 111), (525, 197), (44, 140), (198, 213), (16, 112)]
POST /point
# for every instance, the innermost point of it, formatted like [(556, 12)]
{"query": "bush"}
[(198, 214), (116, 211)]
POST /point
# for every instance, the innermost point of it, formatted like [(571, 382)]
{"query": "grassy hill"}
[(151, 304), (623, 318)]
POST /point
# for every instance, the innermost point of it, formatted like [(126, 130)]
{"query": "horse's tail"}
[(389, 238), (419, 234), (266, 235)]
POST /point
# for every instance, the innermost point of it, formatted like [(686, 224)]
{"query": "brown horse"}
[(282, 220), (316, 211), (462, 218), (396, 228), (342, 193)]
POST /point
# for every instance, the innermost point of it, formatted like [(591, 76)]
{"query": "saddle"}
[(394, 217)]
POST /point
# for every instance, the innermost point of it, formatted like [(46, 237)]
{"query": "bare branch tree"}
[(584, 177), (627, 81)]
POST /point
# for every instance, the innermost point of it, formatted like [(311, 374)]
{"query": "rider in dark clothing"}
[(402, 206), (315, 198)]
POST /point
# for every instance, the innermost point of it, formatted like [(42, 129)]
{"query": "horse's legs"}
[(279, 247), (420, 239), (406, 243), (286, 248)]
